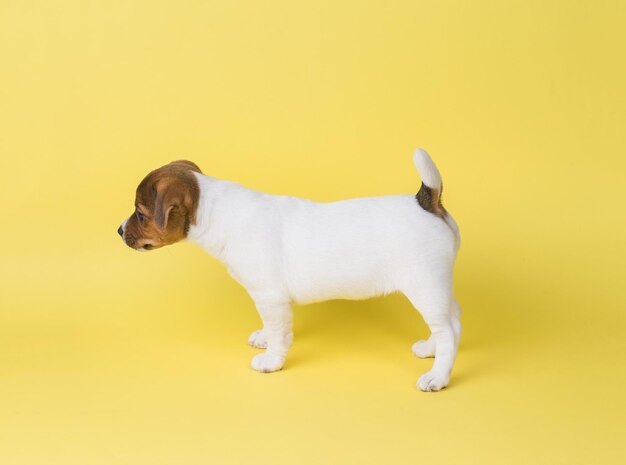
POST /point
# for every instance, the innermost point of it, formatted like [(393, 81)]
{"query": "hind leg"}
[(456, 320), (439, 313), (426, 348)]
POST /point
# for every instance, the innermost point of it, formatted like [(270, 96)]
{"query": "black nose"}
[(120, 231)]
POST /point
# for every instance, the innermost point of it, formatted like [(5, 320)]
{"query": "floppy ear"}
[(166, 200), (176, 200), (188, 164)]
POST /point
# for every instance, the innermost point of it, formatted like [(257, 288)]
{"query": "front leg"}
[(258, 339), (277, 327)]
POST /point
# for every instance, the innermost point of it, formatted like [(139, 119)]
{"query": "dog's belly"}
[(334, 286)]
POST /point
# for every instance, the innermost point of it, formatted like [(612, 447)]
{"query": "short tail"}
[(429, 195)]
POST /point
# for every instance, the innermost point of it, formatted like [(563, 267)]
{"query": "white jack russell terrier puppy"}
[(286, 250)]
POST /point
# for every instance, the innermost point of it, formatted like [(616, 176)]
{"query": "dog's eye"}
[(140, 216)]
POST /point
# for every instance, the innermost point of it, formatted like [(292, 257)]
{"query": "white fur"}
[(428, 171), (123, 226), (286, 250)]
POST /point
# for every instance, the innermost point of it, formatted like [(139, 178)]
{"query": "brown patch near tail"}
[(430, 200)]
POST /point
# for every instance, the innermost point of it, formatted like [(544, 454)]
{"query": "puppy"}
[(286, 250)]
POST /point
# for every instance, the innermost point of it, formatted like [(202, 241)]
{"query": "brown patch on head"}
[(430, 200), (165, 206)]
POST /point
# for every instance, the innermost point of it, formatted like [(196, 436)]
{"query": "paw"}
[(433, 381), (266, 363), (258, 339), (424, 349)]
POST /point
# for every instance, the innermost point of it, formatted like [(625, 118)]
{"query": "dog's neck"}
[(216, 217)]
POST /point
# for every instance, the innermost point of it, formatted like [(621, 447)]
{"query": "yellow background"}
[(108, 356)]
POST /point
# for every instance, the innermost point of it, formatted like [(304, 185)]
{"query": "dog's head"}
[(165, 205)]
